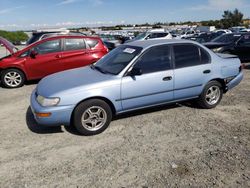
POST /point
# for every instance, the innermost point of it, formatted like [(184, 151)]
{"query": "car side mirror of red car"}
[(33, 54)]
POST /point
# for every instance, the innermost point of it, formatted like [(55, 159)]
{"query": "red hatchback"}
[(48, 56)]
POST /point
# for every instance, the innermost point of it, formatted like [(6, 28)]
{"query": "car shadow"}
[(39, 129), (36, 128)]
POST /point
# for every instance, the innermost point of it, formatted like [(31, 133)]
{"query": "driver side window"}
[(155, 59), (47, 47)]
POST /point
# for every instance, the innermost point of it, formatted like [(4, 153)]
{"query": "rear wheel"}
[(92, 117), (12, 78), (211, 95)]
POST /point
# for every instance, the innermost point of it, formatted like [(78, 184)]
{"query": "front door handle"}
[(168, 78), (206, 71)]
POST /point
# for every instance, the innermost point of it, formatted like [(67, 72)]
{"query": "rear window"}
[(92, 42)]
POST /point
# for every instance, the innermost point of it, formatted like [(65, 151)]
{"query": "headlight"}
[(217, 49), (47, 101)]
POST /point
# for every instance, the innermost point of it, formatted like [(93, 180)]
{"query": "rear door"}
[(155, 85), (192, 70), (75, 53), (47, 60)]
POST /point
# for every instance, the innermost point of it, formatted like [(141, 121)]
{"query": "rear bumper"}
[(60, 115), (234, 82)]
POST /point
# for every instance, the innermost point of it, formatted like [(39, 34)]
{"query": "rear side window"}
[(205, 58), (155, 59), (74, 44), (91, 42), (189, 55)]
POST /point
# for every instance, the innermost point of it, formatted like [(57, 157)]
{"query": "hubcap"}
[(213, 95), (12, 79), (94, 118)]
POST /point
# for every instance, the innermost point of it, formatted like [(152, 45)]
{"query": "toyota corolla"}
[(138, 75)]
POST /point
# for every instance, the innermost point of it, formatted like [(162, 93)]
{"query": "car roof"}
[(149, 43)]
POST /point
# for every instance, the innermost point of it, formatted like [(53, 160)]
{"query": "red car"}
[(48, 56)]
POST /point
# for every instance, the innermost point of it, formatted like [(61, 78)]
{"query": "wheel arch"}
[(112, 106), (13, 67), (222, 82)]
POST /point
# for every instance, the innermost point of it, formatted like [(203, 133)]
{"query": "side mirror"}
[(33, 53), (135, 72)]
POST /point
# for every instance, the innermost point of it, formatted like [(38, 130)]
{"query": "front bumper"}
[(235, 81), (60, 115)]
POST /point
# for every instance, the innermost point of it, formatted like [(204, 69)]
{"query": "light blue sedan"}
[(134, 76)]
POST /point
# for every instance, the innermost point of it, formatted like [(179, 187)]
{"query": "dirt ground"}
[(171, 146)]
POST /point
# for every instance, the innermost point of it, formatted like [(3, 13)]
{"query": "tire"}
[(209, 99), (12, 78), (97, 115)]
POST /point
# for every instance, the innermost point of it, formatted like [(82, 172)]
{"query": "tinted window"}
[(91, 42), (226, 38), (74, 44), (205, 58), (115, 61), (155, 59), (157, 35), (186, 55), (48, 47), (245, 39)]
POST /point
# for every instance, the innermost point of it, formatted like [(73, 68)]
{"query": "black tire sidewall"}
[(202, 99), (4, 72), (80, 109)]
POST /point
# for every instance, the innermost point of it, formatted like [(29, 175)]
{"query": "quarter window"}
[(74, 44), (48, 47), (91, 42), (186, 55), (155, 59)]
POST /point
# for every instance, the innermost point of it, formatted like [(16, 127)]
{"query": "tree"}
[(231, 19)]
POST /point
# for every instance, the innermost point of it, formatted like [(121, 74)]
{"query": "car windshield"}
[(140, 36), (117, 59), (226, 38)]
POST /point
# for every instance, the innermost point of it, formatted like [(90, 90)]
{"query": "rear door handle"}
[(206, 71), (168, 78)]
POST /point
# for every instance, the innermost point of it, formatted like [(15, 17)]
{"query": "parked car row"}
[(147, 71)]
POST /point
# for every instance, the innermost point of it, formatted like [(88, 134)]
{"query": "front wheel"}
[(211, 95), (92, 117), (12, 78)]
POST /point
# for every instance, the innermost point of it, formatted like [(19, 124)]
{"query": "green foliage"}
[(14, 37), (231, 19)]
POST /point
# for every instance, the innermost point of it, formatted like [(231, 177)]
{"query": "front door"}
[(46, 61), (154, 85)]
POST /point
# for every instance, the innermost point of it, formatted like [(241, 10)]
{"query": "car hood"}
[(8, 45), (73, 80)]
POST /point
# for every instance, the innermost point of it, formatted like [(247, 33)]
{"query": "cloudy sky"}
[(32, 14)]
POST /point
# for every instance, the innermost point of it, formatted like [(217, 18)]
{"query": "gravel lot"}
[(171, 146)]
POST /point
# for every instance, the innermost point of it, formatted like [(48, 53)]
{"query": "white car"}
[(152, 35)]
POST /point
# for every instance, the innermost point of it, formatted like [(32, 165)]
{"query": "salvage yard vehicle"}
[(48, 56), (233, 43), (151, 35), (133, 76)]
